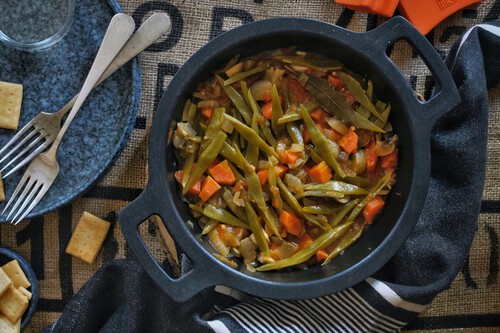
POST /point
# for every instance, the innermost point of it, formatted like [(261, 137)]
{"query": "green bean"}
[(364, 123), (352, 235), (265, 131), (358, 92), (369, 90), (321, 144), (323, 224), (337, 186), (321, 194), (253, 220), (237, 100), (303, 255), (372, 194), (233, 156), (314, 154), (186, 168), (242, 75), (252, 151), (223, 216), (227, 196), (209, 226), (205, 159), (271, 179), (321, 209), (294, 132), (252, 137), (185, 111), (343, 212), (255, 191), (277, 113), (289, 117), (357, 180), (214, 126), (289, 198), (196, 208)]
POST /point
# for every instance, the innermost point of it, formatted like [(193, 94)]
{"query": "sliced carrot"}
[(331, 134), (371, 158), (207, 112), (318, 115), (373, 208), (321, 255), (291, 223), (289, 157), (335, 81), (267, 110), (349, 142), (390, 161), (321, 172), (304, 241), (209, 188), (222, 173), (280, 170), (263, 176)]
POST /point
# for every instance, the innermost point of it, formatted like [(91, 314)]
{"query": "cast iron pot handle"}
[(179, 289), (447, 96)]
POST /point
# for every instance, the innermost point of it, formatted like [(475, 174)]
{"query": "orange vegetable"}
[(331, 134), (289, 156), (373, 208), (274, 251), (195, 189), (390, 161), (291, 223), (349, 142), (280, 170), (263, 176), (207, 112), (267, 110), (222, 173), (318, 115), (304, 241), (321, 255), (321, 172), (371, 158), (335, 81), (209, 188)]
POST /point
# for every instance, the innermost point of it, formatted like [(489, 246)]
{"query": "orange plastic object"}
[(379, 7), (426, 14)]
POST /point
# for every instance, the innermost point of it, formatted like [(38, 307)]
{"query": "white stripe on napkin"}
[(390, 296), (488, 27)]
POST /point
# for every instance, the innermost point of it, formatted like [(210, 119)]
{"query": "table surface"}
[(471, 304)]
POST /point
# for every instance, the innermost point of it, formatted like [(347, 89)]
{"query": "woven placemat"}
[(472, 303)]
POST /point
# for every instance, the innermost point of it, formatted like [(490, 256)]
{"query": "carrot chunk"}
[(267, 110), (222, 173), (289, 157), (321, 255), (280, 170), (291, 223), (321, 172), (389, 161), (209, 188), (304, 240), (263, 176), (195, 189), (207, 112), (349, 142), (373, 208)]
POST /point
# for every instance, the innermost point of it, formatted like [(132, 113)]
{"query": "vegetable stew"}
[(285, 158)]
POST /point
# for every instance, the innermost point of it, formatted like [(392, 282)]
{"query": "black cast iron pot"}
[(412, 120)]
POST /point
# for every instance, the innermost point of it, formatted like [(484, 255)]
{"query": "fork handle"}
[(119, 31), (149, 32)]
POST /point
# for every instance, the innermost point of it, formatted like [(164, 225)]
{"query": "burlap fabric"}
[(472, 304)]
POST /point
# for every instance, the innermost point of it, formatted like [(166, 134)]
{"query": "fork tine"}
[(34, 153), (19, 145), (16, 191), (34, 190), (25, 184), (35, 201), (19, 134)]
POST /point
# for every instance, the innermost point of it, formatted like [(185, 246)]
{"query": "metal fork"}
[(42, 130), (44, 169)]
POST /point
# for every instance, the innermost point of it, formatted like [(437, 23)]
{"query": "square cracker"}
[(87, 238), (5, 282), (13, 304), (7, 327), (16, 274), (11, 96)]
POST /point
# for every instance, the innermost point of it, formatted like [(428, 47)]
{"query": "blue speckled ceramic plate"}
[(51, 78)]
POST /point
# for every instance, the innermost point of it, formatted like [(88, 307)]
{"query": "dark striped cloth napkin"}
[(120, 297)]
